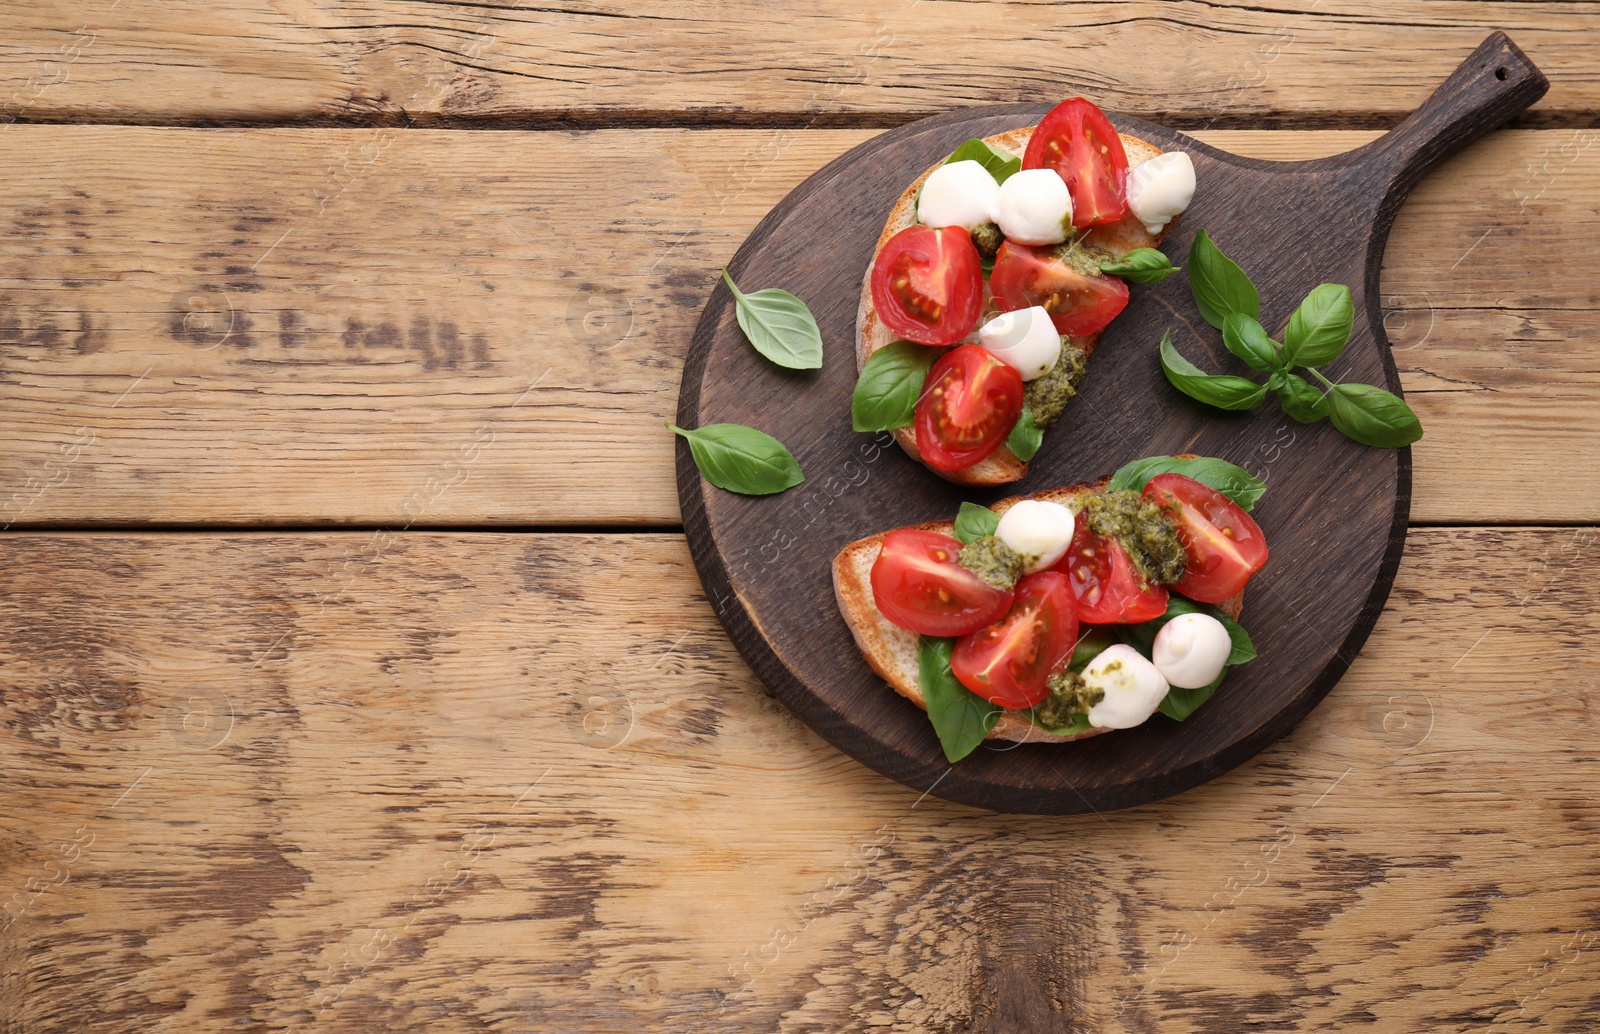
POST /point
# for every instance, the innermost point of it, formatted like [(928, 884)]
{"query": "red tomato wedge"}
[(1009, 662), (917, 584), (1080, 144), (1225, 546), (1108, 588), (969, 404), (927, 284), (1025, 276)]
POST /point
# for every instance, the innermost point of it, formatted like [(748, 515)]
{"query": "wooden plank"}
[(262, 60), (400, 327), (511, 782)]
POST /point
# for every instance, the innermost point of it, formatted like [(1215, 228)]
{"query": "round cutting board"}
[(1334, 512)]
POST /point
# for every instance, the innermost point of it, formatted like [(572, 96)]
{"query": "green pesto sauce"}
[(987, 239), (1144, 531), (1069, 698), (1047, 396), (1083, 259), (992, 560)]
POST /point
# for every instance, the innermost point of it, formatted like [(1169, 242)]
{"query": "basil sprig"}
[(1141, 266), (1181, 703), (1001, 166), (779, 326), (973, 522), (741, 459), (1026, 436), (891, 382), (1231, 480), (1315, 336), (960, 717)]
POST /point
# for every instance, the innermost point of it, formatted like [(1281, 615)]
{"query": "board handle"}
[(1491, 86)]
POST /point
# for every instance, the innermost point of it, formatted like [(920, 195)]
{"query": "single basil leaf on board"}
[(1230, 479), (960, 717), (779, 326), (1025, 437), (1222, 390), (974, 522), (1320, 327), (1372, 416), (1179, 704), (741, 459), (1248, 340), (1141, 266), (891, 382), (1303, 401), (1218, 284), (1001, 166)]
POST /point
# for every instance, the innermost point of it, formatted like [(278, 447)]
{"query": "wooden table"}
[(355, 673)]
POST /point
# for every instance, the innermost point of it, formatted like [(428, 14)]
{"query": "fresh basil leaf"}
[(1001, 166), (1248, 340), (960, 717), (779, 326), (1179, 704), (1141, 266), (741, 459), (1025, 437), (973, 522), (1223, 391), (891, 382), (1303, 401), (1320, 328), (1218, 284), (1230, 479), (1372, 416), (1091, 644)]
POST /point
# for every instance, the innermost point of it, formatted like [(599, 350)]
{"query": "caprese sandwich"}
[(1063, 614), (988, 288)]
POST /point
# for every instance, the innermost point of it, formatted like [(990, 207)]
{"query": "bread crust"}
[(892, 651), (1120, 237)]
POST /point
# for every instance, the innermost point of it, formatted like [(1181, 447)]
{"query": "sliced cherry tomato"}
[(969, 404), (927, 284), (1108, 588), (1225, 546), (917, 584), (1025, 276), (1080, 144), (1008, 662)]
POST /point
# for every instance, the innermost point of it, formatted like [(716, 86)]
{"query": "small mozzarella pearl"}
[(1191, 650), (1037, 531), (959, 194), (1134, 688), (1025, 340), (1160, 189), (1034, 207)]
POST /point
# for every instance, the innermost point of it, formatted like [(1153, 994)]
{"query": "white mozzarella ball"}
[(1191, 650), (1034, 207), (1133, 687), (959, 194), (1160, 189), (1037, 531), (1025, 340)]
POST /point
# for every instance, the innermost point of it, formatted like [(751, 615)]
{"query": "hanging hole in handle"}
[(1500, 73)]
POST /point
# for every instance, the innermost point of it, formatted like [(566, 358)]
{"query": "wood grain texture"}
[(325, 320), (489, 781), (430, 63), (1336, 520)]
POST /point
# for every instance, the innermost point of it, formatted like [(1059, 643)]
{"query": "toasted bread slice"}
[(892, 651), (1119, 238)]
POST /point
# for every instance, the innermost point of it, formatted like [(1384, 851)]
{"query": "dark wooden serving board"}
[(1335, 512)]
